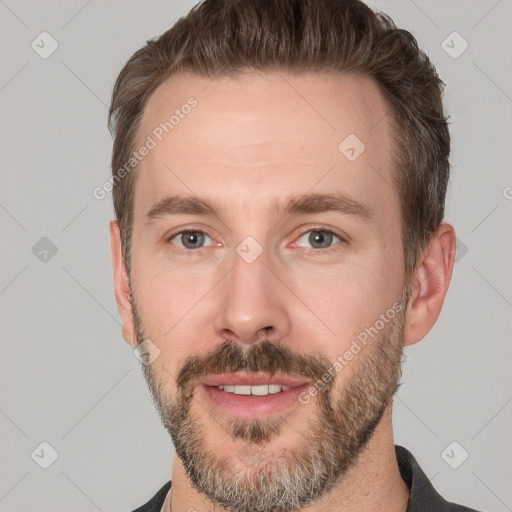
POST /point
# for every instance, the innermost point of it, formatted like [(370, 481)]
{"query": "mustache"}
[(265, 356)]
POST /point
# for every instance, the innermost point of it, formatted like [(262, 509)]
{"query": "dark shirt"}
[(423, 498)]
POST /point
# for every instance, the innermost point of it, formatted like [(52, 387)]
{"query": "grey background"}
[(68, 377)]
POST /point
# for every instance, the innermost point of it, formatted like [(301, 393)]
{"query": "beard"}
[(331, 441)]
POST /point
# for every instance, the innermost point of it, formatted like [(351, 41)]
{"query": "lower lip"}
[(249, 406)]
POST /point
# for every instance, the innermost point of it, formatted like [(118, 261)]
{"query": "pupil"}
[(192, 239), (321, 238)]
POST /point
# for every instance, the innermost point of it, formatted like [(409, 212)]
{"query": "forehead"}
[(262, 136)]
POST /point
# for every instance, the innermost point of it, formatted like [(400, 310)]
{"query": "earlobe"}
[(122, 290), (429, 288)]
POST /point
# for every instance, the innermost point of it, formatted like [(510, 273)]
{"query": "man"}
[(279, 177)]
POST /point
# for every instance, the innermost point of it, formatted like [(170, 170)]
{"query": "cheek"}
[(344, 300), (167, 300), (176, 304), (340, 298)]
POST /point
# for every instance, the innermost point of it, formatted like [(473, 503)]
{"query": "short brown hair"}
[(231, 36)]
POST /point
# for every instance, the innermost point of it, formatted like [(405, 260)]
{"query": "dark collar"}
[(423, 498)]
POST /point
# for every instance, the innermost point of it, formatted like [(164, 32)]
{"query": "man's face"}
[(255, 290)]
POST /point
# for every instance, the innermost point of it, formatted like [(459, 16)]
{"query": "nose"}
[(252, 304)]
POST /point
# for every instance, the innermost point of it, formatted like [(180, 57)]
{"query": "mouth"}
[(261, 390), (251, 396)]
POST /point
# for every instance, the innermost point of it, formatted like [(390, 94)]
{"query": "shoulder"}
[(156, 502)]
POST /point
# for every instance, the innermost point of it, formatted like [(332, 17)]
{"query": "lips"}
[(252, 395), (251, 406)]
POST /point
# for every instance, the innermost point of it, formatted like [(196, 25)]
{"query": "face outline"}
[(268, 142)]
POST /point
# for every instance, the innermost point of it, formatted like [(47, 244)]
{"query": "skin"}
[(252, 140)]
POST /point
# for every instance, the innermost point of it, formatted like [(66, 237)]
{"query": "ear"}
[(430, 284), (121, 285)]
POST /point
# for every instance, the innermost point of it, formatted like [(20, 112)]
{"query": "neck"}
[(373, 484)]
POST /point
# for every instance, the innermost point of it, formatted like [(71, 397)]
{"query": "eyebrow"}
[(306, 204)]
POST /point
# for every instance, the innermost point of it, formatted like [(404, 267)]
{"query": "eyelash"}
[(309, 251)]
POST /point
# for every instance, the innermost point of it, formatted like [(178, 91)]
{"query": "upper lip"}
[(240, 379)]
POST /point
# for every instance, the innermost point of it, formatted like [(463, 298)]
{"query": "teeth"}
[(263, 390), (242, 390)]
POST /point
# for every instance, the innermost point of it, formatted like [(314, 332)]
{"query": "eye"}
[(318, 238), (189, 239)]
